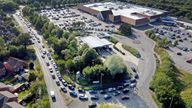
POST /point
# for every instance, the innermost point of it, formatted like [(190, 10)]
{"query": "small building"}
[(95, 42), (8, 97), (9, 100), (4, 87), (12, 105)]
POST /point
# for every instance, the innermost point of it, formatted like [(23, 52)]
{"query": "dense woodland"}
[(71, 58)]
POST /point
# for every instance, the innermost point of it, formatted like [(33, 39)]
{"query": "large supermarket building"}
[(117, 12)]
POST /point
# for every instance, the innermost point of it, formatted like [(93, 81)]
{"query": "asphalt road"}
[(147, 64), (50, 83)]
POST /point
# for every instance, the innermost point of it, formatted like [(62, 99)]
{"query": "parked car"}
[(107, 97), (120, 87), (73, 94), (92, 105), (94, 97), (116, 93), (133, 69), (71, 87), (81, 90), (126, 84), (83, 97), (102, 92), (125, 90), (125, 97), (179, 53), (92, 92)]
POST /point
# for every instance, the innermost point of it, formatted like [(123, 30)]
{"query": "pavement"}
[(50, 83), (147, 63)]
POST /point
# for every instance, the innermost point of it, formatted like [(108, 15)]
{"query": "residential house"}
[(4, 87), (14, 65), (12, 105), (8, 99)]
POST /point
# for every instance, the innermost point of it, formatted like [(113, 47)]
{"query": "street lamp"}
[(171, 101), (101, 79)]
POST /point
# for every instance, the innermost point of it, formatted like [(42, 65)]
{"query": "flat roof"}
[(95, 42), (125, 9), (7, 94)]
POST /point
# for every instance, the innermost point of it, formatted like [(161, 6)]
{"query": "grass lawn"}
[(22, 94), (7, 80), (110, 105), (131, 50), (186, 79)]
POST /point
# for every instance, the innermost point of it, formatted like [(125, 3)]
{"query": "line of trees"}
[(52, 3), (179, 8), (165, 84)]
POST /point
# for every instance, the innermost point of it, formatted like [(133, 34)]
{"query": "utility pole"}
[(101, 79)]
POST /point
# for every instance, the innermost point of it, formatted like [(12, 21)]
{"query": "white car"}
[(52, 93)]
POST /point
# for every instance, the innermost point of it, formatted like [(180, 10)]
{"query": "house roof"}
[(2, 85), (15, 61), (12, 105), (7, 94)]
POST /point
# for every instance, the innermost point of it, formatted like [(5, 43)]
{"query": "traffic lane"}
[(50, 85)]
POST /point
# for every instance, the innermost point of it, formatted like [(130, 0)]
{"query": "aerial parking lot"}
[(66, 17), (181, 44)]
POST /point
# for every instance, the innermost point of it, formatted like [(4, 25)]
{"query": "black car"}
[(133, 69), (71, 87), (81, 90), (94, 97), (63, 89), (58, 83), (126, 90), (179, 53), (102, 92), (120, 87)]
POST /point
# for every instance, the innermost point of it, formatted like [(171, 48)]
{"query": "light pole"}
[(101, 79), (171, 101)]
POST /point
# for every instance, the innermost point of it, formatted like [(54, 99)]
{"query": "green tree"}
[(125, 29), (89, 57), (115, 65), (23, 39)]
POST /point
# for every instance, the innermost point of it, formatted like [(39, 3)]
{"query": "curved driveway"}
[(147, 64)]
